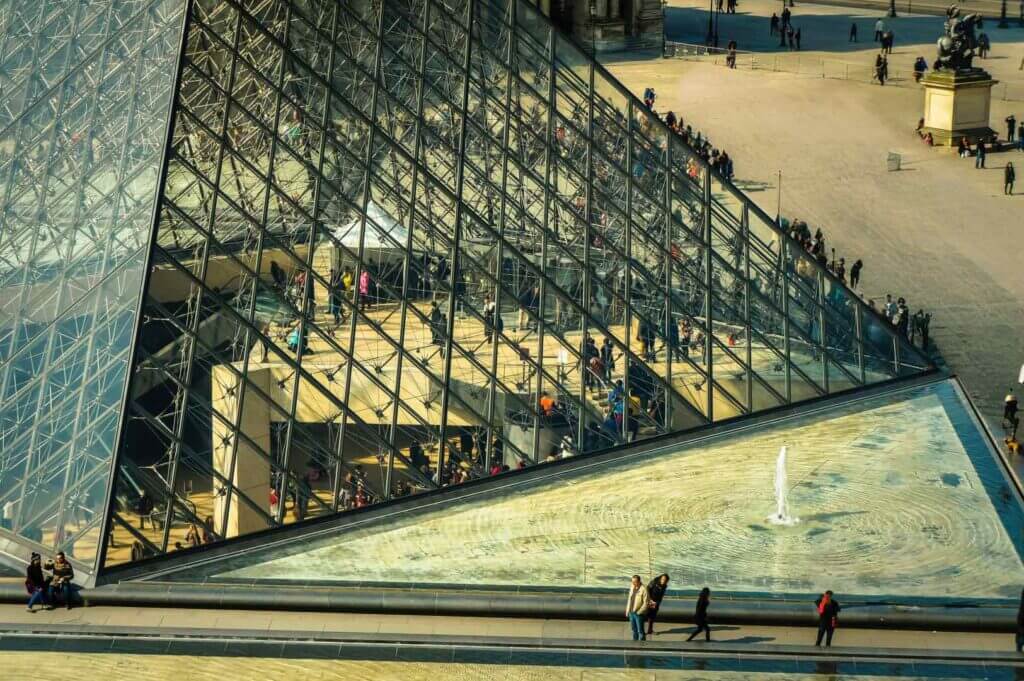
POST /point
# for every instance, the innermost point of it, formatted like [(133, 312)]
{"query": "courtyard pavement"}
[(938, 232)]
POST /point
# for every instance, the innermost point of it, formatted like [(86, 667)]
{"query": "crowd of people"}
[(789, 35), (914, 327)]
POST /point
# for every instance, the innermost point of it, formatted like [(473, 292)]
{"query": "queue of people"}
[(698, 141)]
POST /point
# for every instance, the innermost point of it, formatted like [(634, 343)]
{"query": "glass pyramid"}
[(397, 244)]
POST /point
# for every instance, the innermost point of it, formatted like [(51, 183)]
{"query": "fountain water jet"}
[(781, 515)]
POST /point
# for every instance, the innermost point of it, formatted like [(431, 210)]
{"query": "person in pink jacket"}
[(364, 290)]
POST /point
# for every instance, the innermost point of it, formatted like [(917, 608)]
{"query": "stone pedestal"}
[(956, 104)]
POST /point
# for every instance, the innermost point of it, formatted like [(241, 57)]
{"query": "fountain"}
[(781, 515)]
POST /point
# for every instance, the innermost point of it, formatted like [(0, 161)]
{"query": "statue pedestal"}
[(956, 104)]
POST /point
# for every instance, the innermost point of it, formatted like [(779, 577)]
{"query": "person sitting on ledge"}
[(36, 584), (63, 575)]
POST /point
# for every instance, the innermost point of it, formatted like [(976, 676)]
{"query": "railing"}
[(814, 65)]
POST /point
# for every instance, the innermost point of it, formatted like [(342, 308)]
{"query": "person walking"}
[(880, 68), (979, 155), (656, 589), (36, 583), (1009, 409), (853, 32), (879, 30), (1011, 127), (700, 615), (1009, 175), (797, 37), (773, 24), (828, 616), (636, 608), (855, 273), (334, 299)]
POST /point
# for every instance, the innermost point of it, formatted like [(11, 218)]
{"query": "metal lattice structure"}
[(393, 245)]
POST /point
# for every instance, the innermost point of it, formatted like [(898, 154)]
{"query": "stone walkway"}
[(234, 622)]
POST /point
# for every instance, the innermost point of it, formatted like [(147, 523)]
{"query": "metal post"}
[(778, 203), (711, 12), (718, 12), (1002, 16), (892, 8)]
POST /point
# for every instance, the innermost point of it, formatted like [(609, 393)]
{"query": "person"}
[(636, 608), (195, 539), (773, 26), (489, 313), (890, 307), (275, 502), (796, 37), (700, 615), (828, 614), (1020, 624), (855, 273), (880, 68), (1009, 408), (925, 324), (144, 509), (790, 34), (209, 536), (984, 45), (879, 30), (853, 32), (655, 592), (607, 358), (1011, 127), (1009, 175), (920, 66), (635, 407), (334, 300), (840, 270), (979, 155), (364, 290), (1020, 136), (961, 148), (36, 583), (63, 576), (293, 340), (546, 403), (278, 276), (567, 449), (434, 322)]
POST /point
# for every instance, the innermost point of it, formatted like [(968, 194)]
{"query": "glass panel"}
[(87, 88)]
